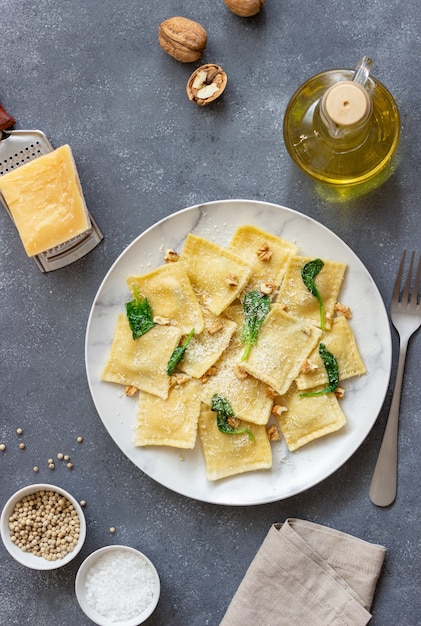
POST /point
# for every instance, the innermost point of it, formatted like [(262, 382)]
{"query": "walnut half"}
[(342, 309), (264, 252), (171, 256), (206, 84), (278, 409), (240, 373), (273, 433)]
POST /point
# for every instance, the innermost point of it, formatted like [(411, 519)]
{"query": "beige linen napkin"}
[(305, 574)]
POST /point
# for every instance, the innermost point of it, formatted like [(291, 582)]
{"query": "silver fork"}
[(406, 318)]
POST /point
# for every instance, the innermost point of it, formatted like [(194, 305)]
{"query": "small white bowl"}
[(26, 558), (104, 564)]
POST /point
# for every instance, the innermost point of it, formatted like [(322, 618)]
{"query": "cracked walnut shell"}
[(206, 84), (183, 39)]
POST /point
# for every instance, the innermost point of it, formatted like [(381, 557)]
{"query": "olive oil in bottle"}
[(342, 127)]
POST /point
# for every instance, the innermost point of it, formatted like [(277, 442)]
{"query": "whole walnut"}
[(245, 8), (183, 39)]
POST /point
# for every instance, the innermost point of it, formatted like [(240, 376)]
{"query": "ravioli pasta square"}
[(283, 345), (171, 422), (217, 275), (298, 300), (248, 397), (170, 295), (235, 312), (308, 418), (340, 341), (141, 363), (205, 348), (266, 254), (229, 455)]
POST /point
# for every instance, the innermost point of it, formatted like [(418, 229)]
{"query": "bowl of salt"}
[(117, 585)]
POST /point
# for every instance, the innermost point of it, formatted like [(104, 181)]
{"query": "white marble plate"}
[(292, 472)]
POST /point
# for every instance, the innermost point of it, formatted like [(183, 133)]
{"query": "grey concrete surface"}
[(92, 74)]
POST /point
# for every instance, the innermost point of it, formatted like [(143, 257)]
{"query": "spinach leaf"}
[(308, 273), (256, 306), (224, 413), (178, 354), (332, 370), (139, 314)]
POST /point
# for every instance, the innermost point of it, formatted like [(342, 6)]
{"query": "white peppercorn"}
[(46, 524)]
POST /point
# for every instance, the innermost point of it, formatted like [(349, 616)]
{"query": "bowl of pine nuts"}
[(42, 526)]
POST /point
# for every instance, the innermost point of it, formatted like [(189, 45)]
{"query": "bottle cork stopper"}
[(346, 103)]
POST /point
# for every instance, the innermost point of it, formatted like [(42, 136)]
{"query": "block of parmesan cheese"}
[(46, 201)]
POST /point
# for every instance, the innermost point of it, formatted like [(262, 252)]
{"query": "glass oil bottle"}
[(342, 127)]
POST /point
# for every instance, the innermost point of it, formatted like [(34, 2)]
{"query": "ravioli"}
[(248, 397), (217, 275), (229, 455), (297, 299), (141, 363), (340, 341), (283, 344), (250, 243), (171, 296), (171, 422), (206, 348), (308, 418)]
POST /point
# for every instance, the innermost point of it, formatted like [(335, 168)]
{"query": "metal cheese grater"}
[(17, 147)]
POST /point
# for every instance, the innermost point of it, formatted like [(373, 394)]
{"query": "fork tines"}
[(407, 296)]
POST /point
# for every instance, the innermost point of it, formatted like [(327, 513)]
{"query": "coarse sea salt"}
[(120, 585)]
